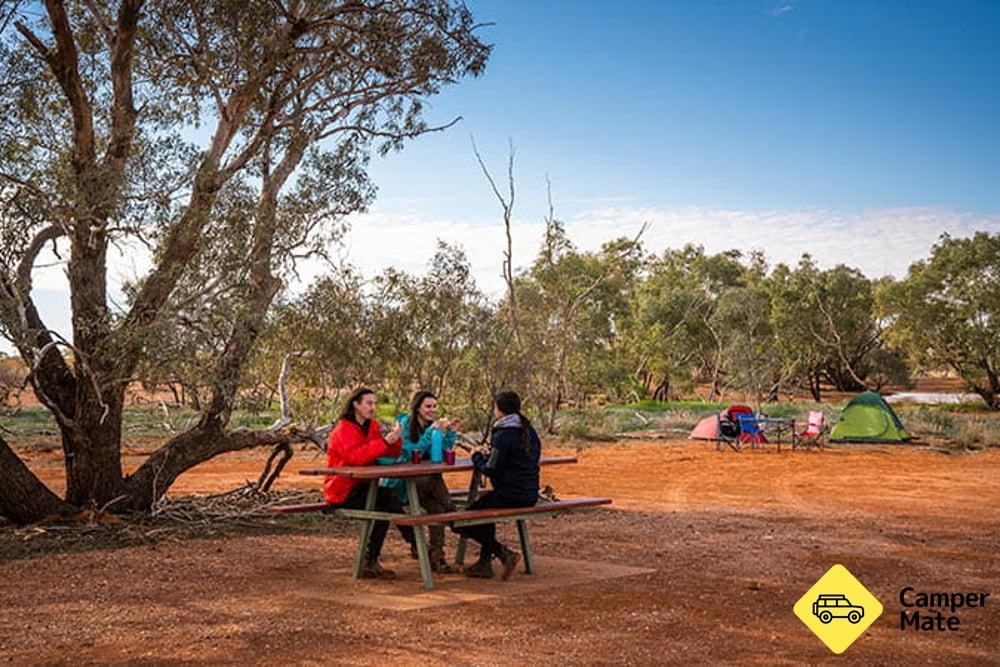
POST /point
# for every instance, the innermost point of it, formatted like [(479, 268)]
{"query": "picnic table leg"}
[(418, 533), (522, 531), (366, 529), (462, 540)]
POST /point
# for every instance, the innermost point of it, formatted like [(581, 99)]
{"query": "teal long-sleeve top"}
[(432, 444)]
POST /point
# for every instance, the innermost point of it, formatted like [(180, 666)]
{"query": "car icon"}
[(828, 607)]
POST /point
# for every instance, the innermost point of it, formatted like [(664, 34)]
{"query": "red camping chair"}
[(733, 411), (813, 435)]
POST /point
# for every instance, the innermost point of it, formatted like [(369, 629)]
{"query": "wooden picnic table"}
[(409, 472)]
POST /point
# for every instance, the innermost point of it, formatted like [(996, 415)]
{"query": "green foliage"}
[(588, 424), (828, 330), (946, 312)]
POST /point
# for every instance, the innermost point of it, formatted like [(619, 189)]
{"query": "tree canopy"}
[(291, 97), (946, 312)]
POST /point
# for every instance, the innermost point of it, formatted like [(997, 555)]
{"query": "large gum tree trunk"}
[(23, 497), (93, 452)]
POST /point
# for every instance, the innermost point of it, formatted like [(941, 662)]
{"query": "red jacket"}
[(350, 446)]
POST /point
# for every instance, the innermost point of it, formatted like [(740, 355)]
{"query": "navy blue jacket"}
[(513, 472)]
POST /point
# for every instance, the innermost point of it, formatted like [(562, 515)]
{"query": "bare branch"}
[(50, 233), (81, 359), (286, 411), (507, 206), (102, 21), (33, 39)]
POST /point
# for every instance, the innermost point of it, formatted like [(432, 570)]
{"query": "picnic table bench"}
[(417, 518)]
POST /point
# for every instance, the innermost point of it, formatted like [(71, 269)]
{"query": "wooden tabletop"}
[(413, 469)]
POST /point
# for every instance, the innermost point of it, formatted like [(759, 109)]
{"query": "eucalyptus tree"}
[(946, 311), (103, 100), (572, 305), (829, 330), (433, 317), (670, 336)]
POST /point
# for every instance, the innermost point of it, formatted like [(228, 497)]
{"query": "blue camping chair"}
[(750, 426)]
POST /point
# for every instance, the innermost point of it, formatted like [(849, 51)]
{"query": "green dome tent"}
[(868, 418)]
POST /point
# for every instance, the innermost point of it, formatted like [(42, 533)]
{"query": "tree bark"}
[(23, 497), (662, 391), (990, 392), (197, 445), (93, 451), (814, 387)]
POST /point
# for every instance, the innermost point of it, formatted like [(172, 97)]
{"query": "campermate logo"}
[(838, 609)]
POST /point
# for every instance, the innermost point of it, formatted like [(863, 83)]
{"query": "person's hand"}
[(393, 436), (479, 460), (442, 424), (456, 425)]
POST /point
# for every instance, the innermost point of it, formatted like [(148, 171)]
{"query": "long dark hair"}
[(509, 403), (348, 411), (416, 428)]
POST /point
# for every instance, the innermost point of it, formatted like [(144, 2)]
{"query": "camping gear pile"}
[(866, 419), (725, 426)]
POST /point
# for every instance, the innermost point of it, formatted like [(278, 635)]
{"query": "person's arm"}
[(393, 443), (333, 445), (497, 459), (365, 451), (426, 442)]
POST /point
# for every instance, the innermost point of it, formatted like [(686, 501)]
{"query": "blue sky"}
[(857, 131), (749, 105)]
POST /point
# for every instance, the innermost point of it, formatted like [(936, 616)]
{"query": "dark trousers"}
[(434, 499), (486, 533), (385, 501)]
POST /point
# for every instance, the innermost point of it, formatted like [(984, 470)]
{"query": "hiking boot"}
[(481, 569), (372, 570), (439, 563), (443, 567), (509, 559)]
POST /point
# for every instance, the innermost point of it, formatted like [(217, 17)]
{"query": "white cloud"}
[(877, 241), (782, 8)]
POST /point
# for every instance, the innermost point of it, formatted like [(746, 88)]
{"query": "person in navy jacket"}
[(512, 467)]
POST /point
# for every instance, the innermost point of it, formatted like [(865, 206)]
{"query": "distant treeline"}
[(622, 324)]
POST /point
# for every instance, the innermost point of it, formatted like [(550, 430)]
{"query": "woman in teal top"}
[(420, 432)]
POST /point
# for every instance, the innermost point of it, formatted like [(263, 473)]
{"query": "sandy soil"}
[(733, 538)]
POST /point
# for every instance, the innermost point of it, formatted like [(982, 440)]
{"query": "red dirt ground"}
[(734, 539)]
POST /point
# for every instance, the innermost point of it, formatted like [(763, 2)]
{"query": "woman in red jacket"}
[(356, 441)]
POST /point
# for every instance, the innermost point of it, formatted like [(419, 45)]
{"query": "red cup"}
[(415, 456), (449, 457)]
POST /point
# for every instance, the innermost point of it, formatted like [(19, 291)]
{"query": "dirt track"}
[(734, 540)]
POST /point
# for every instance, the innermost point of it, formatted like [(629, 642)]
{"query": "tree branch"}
[(123, 113), (25, 266), (101, 20)]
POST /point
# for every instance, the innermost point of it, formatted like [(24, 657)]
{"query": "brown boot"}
[(372, 570), (439, 563), (481, 569), (509, 559), (443, 567)]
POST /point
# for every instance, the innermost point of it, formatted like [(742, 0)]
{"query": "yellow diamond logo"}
[(838, 609)]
